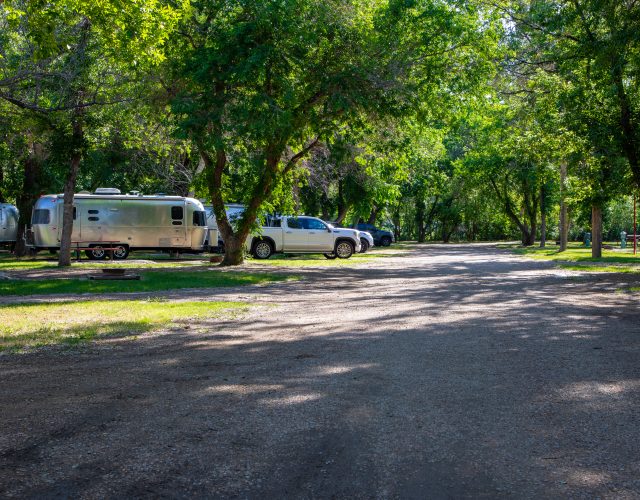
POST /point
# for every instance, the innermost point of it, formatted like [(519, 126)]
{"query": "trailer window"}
[(199, 219), (93, 211), (177, 213), (41, 216), (94, 218)]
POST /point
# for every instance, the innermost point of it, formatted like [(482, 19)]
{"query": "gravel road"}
[(449, 372)]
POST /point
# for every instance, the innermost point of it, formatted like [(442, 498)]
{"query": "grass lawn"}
[(151, 281), (578, 258), (34, 325), (314, 260), (144, 261)]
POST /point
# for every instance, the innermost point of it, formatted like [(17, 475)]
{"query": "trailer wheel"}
[(120, 252), (96, 253), (262, 249), (330, 256)]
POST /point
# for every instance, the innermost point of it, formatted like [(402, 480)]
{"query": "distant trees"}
[(446, 120)]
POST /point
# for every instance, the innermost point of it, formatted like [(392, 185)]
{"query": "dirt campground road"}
[(450, 372)]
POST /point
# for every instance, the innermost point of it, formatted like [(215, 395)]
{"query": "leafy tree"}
[(60, 60), (262, 83)]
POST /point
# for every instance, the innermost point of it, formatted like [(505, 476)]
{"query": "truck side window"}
[(314, 224), (294, 223)]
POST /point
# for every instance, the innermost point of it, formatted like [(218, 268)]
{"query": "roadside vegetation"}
[(438, 120), (70, 323), (152, 281), (315, 260), (578, 258)]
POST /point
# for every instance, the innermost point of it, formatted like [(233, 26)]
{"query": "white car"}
[(302, 234), (366, 239)]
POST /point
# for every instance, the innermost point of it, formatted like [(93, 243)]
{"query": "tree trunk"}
[(629, 138), (373, 215), (64, 257), (543, 216), (564, 221), (28, 194), (596, 231), (2, 198), (420, 216)]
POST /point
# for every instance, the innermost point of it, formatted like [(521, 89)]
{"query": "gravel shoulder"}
[(448, 372)]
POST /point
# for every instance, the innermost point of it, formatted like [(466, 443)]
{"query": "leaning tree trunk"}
[(64, 258), (564, 220), (596, 231)]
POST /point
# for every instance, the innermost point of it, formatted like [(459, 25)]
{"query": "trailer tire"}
[(330, 256), (121, 252), (262, 249), (344, 249), (97, 252)]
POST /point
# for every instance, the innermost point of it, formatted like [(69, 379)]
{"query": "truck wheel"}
[(262, 250), (121, 252), (330, 256), (364, 245), (385, 241), (344, 249), (96, 253)]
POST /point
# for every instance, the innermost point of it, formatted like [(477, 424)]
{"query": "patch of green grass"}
[(314, 260), (151, 281), (38, 263), (601, 269), (70, 323), (577, 254)]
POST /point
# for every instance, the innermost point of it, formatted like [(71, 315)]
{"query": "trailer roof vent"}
[(84, 192), (107, 191)]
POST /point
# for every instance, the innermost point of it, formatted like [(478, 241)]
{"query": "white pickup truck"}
[(303, 235)]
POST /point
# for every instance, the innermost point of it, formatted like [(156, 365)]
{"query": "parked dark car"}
[(381, 237)]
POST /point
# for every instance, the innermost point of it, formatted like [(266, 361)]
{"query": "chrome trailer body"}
[(8, 224), (166, 223)]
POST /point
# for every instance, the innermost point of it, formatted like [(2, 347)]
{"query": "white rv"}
[(8, 224), (109, 219)]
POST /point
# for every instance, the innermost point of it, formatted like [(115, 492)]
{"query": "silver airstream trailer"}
[(109, 219), (8, 225)]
